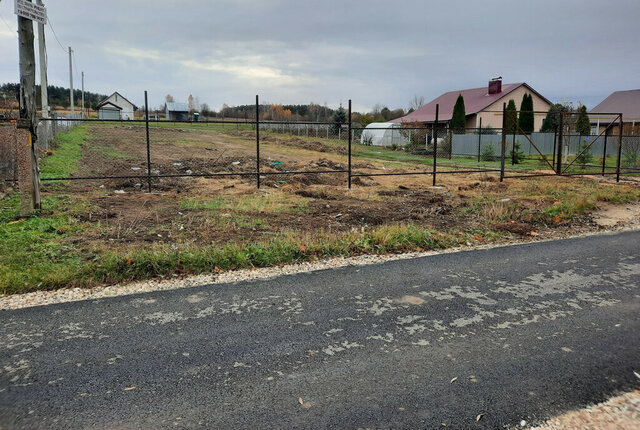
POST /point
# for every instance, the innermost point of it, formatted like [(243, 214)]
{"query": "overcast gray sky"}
[(289, 52)]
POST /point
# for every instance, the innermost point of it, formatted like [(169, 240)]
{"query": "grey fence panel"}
[(467, 144)]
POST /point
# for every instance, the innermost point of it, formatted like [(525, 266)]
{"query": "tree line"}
[(58, 96)]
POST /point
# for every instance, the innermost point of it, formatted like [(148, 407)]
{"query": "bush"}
[(516, 154), (394, 146), (586, 157), (488, 154)]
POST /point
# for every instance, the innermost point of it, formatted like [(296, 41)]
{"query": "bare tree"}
[(168, 98), (416, 103)]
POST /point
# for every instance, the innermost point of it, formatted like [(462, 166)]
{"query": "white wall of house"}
[(127, 107)]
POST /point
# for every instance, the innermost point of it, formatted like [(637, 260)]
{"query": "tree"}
[(552, 120), (205, 110), (416, 103), (339, 118), (510, 117), (583, 125), (191, 104), (459, 118), (168, 98), (525, 121)]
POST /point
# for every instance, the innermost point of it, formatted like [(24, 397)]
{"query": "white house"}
[(115, 107)]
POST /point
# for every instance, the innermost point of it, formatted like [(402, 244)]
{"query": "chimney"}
[(495, 85)]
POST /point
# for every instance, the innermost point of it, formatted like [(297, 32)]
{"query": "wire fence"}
[(156, 155)]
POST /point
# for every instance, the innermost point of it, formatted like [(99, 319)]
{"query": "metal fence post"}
[(559, 154), (604, 151), (146, 121), (504, 140), (619, 150), (349, 142), (257, 142), (555, 138), (435, 144), (479, 139)]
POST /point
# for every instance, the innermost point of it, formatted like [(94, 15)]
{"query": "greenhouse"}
[(383, 134)]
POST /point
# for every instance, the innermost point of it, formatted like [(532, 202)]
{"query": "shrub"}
[(585, 157), (488, 154), (516, 154)]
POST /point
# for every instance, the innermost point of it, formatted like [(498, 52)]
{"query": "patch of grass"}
[(494, 210), (567, 208), (33, 252), (67, 150), (272, 203), (111, 153)]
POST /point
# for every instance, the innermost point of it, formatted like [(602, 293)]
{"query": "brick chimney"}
[(495, 85)]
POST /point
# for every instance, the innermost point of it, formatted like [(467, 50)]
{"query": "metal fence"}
[(157, 155)]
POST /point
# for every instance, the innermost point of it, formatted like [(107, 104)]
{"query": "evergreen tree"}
[(458, 120), (583, 125), (511, 117), (339, 118), (552, 119), (525, 121)]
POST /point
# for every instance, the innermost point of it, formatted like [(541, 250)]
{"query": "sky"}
[(373, 52)]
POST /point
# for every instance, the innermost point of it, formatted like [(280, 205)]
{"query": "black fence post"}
[(146, 122), (604, 151), (257, 142), (513, 145), (559, 155), (450, 136), (504, 141), (349, 150), (479, 139), (555, 138), (619, 150), (435, 144)]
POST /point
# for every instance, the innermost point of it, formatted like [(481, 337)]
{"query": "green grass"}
[(33, 253), (67, 150), (110, 152), (272, 203)]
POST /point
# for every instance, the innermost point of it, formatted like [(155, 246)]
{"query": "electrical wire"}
[(54, 34), (8, 26)]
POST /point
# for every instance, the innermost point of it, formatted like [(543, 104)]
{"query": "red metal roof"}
[(625, 102), (475, 100)]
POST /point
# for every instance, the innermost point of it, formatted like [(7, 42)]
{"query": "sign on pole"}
[(31, 11)]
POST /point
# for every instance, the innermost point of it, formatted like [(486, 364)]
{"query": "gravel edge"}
[(43, 298)]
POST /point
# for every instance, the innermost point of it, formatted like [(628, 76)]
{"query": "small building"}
[(625, 102), (383, 134), (480, 103), (116, 107), (176, 112)]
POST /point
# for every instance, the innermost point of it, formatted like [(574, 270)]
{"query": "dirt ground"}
[(224, 209)]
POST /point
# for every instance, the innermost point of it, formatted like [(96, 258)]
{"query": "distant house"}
[(115, 107), (480, 103), (625, 102), (177, 112)]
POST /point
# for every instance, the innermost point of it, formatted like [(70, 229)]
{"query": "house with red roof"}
[(625, 102), (480, 103)]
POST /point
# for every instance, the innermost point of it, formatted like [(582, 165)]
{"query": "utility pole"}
[(82, 94), (28, 174), (70, 82), (44, 91)]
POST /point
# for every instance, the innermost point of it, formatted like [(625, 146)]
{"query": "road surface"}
[(504, 335)]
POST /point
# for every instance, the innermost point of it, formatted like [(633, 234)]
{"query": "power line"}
[(8, 26), (55, 35)]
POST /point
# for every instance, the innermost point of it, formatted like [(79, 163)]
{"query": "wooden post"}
[(28, 173)]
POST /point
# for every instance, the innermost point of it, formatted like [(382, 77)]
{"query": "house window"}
[(594, 130), (116, 97)]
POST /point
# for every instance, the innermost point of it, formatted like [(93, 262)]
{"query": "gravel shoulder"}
[(618, 413)]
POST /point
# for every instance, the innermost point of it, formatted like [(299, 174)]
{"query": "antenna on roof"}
[(499, 78)]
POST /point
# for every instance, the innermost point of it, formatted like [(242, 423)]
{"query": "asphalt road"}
[(528, 331)]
